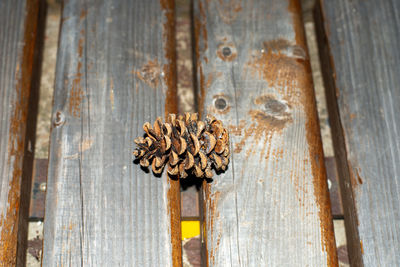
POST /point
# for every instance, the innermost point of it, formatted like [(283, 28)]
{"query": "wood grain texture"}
[(271, 207), (359, 43), (18, 47), (115, 70)]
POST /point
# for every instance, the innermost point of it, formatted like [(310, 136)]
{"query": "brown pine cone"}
[(185, 145)]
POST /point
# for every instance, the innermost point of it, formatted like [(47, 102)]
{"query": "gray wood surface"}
[(271, 207), (18, 31), (115, 71), (360, 55)]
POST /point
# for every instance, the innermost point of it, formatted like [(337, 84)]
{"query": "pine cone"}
[(185, 145)]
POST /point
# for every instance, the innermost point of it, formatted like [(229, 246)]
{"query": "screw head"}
[(226, 51), (220, 103)]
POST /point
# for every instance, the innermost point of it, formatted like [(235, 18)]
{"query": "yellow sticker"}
[(190, 229)]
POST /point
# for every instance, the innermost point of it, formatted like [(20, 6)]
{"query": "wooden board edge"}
[(171, 106), (30, 135), (23, 128), (345, 176)]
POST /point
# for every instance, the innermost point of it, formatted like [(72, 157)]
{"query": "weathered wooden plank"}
[(115, 70), (361, 61), (19, 54), (271, 207)]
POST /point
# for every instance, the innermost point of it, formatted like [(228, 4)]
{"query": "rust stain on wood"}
[(170, 55), (359, 180), (201, 31), (211, 215), (247, 133), (229, 11), (85, 145), (83, 14), (270, 116), (202, 93), (200, 34), (314, 140), (9, 221), (76, 93), (355, 179), (150, 73), (237, 129), (267, 123), (169, 69), (280, 65), (174, 200)]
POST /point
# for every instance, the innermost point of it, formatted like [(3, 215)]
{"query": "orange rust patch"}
[(83, 14), (267, 123), (169, 69), (76, 94), (263, 124), (283, 46), (355, 179), (283, 73), (85, 145), (237, 129), (9, 221), (71, 226), (229, 11), (202, 92), (362, 248), (212, 77), (360, 181), (295, 9), (277, 45), (200, 32), (150, 73), (307, 101), (247, 133), (210, 202), (174, 200), (273, 106)]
